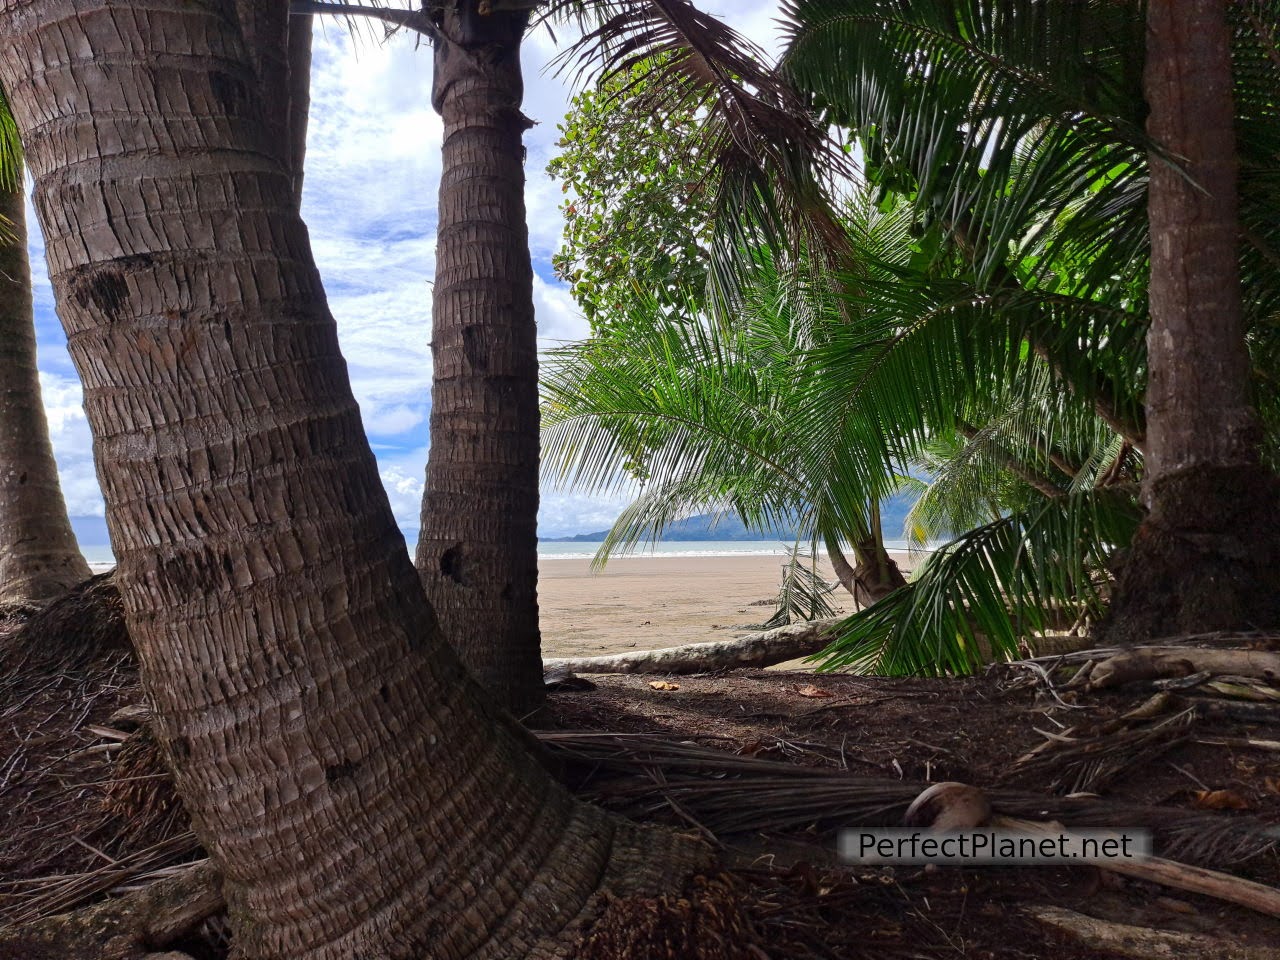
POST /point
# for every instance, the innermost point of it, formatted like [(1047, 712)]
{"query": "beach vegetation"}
[(994, 342), (359, 793)]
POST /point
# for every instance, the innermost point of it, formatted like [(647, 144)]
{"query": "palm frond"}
[(973, 600), (769, 161), (953, 99), (10, 148), (802, 594), (10, 164)]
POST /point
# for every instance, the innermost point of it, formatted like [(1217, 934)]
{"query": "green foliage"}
[(975, 598), (706, 417), (802, 594), (10, 162), (10, 148), (1017, 129), (638, 210), (978, 315)]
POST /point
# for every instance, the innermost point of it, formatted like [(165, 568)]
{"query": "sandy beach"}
[(639, 603), (643, 602)]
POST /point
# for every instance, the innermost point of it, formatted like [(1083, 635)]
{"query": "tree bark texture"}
[(1197, 401), (875, 573), (299, 54), (477, 551), (347, 777), (1207, 557), (39, 558), (279, 47)]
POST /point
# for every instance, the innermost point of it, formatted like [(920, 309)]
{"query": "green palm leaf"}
[(979, 595)]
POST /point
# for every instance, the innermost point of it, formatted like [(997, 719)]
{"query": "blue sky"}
[(373, 166)]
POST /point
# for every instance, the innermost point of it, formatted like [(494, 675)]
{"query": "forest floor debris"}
[(84, 812)]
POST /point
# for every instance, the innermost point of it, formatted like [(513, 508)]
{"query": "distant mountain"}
[(893, 514)]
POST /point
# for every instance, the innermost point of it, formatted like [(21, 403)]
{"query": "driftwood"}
[(1143, 943), (959, 806), (130, 927), (1151, 663), (754, 650), (1168, 873)]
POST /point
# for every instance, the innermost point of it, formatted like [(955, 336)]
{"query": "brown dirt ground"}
[(63, 813)]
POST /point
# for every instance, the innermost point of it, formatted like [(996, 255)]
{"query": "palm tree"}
[(359, 793), (1207, 557), (1018, 128), (39, 558), (712, 417), (477, 550)]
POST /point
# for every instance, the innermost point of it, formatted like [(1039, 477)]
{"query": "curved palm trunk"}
[(1207, 557), (39, 558), (873, 576), (345, 774), (875, 572), (477, 550)]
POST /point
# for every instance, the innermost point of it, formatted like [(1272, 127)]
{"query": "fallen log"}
[(1152, 663), (130, 927), (1143, 943), (754, 650)]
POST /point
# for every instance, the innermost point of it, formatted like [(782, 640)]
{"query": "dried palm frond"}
[(1088, 763), (141, 793), (732, 795)]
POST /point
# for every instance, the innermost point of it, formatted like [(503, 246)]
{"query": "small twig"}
[(92, 849), (1189, 775)]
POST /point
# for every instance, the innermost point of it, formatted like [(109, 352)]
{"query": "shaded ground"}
[(84, 809), (969, 729), (958, 729)]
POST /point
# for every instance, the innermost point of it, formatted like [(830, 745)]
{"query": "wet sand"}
[(645, 602)]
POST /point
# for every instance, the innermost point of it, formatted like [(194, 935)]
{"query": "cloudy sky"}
[(373, 167)]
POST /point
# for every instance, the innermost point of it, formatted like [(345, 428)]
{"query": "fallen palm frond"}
[(83, 626), (801, 914), (47, 896), (141, 794), (1080, 763), (803, 593), (728, 794)]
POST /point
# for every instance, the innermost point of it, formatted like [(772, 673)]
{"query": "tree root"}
[(754, 650), (135, 926)]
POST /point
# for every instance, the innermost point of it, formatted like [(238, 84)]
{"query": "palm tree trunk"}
[(299, 55), (351, 782), (279, 47), (874, 574), (39, 558), (1207, 557), (477, 551)]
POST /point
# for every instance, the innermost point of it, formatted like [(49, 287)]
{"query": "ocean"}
[(688, 548), (100, 558)]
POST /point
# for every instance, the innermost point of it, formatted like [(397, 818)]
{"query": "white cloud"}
[(72, 443), (370, 203), (559, 318)]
